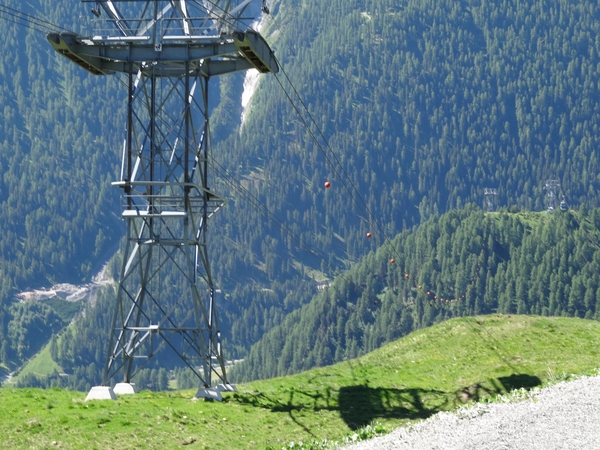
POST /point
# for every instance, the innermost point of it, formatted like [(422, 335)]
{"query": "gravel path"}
[(563, 416)]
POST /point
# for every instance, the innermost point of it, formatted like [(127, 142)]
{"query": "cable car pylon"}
[(166, 52)]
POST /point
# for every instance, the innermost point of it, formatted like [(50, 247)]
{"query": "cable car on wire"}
[(563, 204)]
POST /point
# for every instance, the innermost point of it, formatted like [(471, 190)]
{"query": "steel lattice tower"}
[(166, 52), (551, 187), (490, 198)]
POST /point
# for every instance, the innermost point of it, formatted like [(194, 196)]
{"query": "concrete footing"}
[(125, 389), (101, 393), (226, 387), (209, 394)]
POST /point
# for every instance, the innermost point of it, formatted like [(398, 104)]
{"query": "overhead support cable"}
[(333, 161), (28, 21)]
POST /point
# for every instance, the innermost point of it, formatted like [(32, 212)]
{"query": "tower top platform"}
[(168, 38)]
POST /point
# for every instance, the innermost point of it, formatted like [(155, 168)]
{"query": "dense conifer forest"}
[(463, 262), (422, 105)]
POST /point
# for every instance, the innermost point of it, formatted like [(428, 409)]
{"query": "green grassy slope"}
[(41, 364), (430, 370)]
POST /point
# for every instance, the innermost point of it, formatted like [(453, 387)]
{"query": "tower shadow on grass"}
[(519, 381), (361, 405)]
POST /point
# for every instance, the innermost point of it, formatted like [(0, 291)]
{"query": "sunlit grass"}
[(40, 365), (435, 369)]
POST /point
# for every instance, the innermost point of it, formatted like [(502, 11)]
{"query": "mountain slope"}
[(57, 149), (423, 103), (460, 263), (431, 370)]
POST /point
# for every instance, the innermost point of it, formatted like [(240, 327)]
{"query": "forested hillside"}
[(421, 104), (58, 212), (464, 262), (425, 104), (461, 263), (57, 154)]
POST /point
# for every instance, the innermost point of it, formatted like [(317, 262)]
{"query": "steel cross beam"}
[(167, 51), (211, 56)]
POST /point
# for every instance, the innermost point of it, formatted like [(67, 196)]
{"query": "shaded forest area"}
[(465, 262), (424, 103), (461, 263)]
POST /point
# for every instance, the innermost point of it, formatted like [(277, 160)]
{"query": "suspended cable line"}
[(334, 163), (27, 20), (333, 160), (237, 186)]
